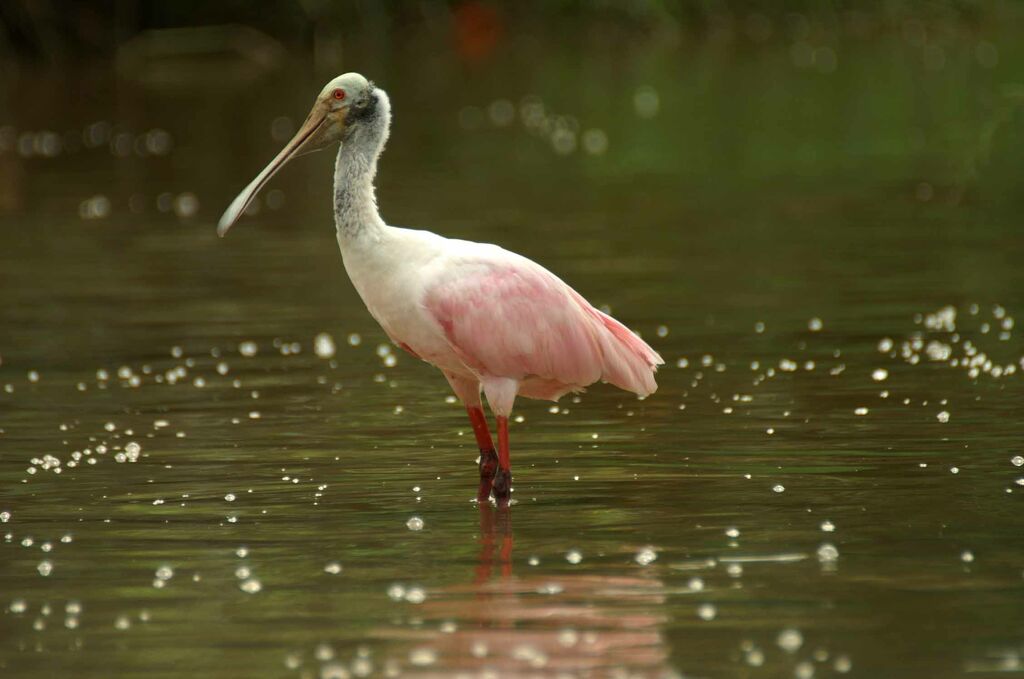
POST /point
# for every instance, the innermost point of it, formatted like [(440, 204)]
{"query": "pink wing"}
[(510, 317)]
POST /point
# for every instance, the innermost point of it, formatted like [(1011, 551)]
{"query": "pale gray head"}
[(346, 104)]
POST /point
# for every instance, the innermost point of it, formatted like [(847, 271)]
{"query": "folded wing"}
[(506, 316)]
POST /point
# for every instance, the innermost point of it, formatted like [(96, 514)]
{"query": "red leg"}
[(488, 459), (503, 479), (479, 422)]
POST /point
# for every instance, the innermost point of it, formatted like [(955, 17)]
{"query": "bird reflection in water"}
[(504, 625)]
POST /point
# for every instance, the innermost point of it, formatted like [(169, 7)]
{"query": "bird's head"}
[(342, 106)]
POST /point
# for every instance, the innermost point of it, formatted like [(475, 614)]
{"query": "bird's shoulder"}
[(455, 257)]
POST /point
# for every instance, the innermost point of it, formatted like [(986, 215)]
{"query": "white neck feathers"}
[(355, 203)]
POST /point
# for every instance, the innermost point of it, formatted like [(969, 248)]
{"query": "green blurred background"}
[(922, 96)]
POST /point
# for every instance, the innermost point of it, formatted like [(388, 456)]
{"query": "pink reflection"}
[(566, 625)]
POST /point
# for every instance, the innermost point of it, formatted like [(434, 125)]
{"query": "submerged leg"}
[(503, 479), (468, 391), (492, 524), (488, 456), (501, 395)]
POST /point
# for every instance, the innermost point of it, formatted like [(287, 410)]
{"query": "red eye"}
[(339, 94)]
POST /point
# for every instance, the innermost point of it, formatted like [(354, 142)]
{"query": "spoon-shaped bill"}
[(310, 137)]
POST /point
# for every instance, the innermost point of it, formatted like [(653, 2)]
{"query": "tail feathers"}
[(629, 363)]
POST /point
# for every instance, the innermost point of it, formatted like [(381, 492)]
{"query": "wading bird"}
[(490, 319)]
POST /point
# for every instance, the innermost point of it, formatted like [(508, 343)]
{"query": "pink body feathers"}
[(515, 319)]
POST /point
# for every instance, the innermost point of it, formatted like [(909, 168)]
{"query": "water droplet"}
[(250, 586), (790, 640), (815, 324), (323, 345), (333, 568), (415, 523), (563, 141), (334, 670), (967, 556), (943, 416), (880, 375), (422, 657), (248, 348), (827, 552), (779, 488), (45, 567), (186, 205), (646, 556), (707, 612), (132, 451), (827, 526), (1016, 461), (568, 638), (158, 142), (573, 556), (754, 657), (95, 207)]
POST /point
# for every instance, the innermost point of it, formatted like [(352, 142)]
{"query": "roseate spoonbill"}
[(490, 319)]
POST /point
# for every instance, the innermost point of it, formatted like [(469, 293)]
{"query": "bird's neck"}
[(355, 203)]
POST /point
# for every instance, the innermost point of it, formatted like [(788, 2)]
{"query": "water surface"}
[(827, 482)]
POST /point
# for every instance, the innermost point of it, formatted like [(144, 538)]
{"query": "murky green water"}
[(825, 484)]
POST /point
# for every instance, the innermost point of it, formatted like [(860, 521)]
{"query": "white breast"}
[(389, 270)]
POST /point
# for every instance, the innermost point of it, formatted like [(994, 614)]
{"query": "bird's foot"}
[(488, 466), (503, 487)]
